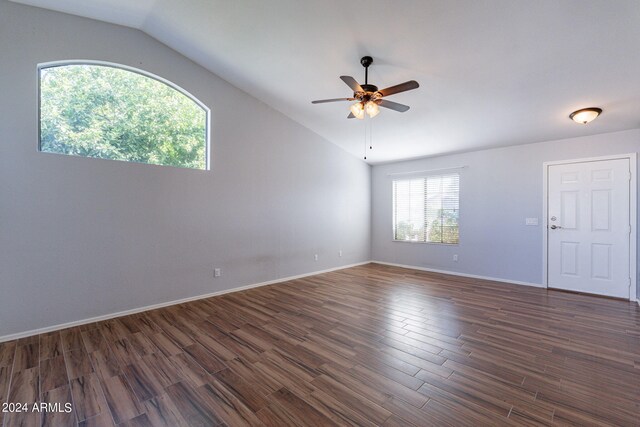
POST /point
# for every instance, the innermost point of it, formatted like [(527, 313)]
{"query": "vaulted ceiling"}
[(491, 73)]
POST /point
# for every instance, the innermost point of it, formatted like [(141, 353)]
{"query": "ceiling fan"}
[(368, 96)]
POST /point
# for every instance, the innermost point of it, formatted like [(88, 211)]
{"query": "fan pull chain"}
[(368, 127), (365, 138)]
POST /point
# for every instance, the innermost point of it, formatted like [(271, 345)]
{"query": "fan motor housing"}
[(369, 93), (369, 88)]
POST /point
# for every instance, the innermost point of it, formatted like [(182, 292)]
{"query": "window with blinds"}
[(426, 209)]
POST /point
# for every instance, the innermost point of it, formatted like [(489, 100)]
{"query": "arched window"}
[(110, 111)]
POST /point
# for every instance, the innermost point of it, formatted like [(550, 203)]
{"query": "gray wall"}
[(85, 237), (499, 188)]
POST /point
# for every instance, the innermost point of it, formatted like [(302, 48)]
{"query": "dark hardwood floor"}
[(365, 346)]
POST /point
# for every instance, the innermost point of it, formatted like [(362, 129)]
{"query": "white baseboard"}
[(61, 326), (58, 327), (455, 273)]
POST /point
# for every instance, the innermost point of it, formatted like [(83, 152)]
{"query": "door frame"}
[(633, 215)]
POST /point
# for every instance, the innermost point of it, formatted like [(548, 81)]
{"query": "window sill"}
[(425, 243)]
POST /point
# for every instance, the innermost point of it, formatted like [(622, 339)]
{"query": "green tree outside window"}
[(111, 113)]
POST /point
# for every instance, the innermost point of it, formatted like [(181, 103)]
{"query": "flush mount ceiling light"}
[(368, 97), (585, 115)]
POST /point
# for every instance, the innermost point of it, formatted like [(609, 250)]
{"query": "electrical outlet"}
[(315, 257), (217, 272), (455, 258), (340, 253)]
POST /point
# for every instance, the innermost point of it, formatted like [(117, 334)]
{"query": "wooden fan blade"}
[(352, 83), (351, 116), (322, 101), (393, 105), (402, 87)]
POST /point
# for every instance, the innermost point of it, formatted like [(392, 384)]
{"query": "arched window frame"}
[(62, 63)]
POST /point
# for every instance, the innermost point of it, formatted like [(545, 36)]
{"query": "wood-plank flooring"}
[(367, 346)]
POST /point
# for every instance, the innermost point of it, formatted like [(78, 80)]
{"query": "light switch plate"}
[(531, 221)]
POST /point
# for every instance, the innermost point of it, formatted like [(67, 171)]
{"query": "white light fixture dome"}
[(585, 115)]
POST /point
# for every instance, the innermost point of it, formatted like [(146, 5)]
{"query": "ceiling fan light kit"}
[(369, 98), (357, 110), (372, 109)]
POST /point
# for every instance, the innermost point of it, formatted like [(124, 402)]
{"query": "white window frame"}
[(423, 175), (63, 63)]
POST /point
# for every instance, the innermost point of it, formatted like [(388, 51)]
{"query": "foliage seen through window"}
[(426, 209), (111, 113)]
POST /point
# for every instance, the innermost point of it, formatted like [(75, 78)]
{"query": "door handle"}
[(553, 227)]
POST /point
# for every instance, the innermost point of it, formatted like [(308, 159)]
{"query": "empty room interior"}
[(318, 213)]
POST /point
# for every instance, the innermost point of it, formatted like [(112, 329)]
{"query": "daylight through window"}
[(426, 209), (112, 112)]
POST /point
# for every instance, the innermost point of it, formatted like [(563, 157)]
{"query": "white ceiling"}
[(491, 72)]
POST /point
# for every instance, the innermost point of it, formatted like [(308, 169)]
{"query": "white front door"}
[(589, 227)]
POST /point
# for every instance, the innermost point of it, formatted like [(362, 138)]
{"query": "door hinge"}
[(629, 282), (628, 176), (629, 229)]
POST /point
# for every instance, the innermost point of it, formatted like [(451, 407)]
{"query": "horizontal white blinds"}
[(426, 209)]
